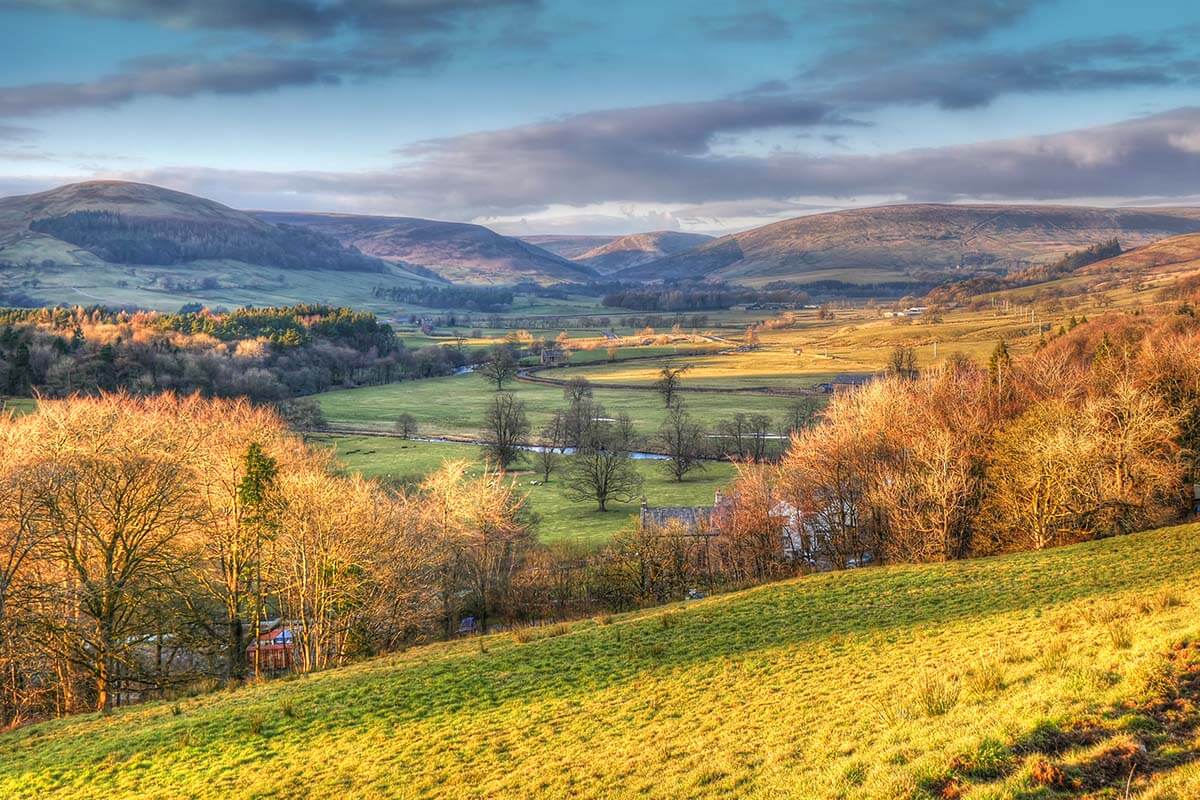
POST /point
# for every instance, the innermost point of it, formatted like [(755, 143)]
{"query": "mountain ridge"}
[(458, 251), (900, 240)]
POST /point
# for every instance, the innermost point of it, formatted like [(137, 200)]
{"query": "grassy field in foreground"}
[(454, 406), (560, 519), (1026, 676)]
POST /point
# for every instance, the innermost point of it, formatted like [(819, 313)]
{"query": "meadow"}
[(559, 519), (1037, 675), (455, 405)]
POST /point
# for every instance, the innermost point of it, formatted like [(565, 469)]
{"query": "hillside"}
[(568, 246), (1060, 673), (454, 250), (132, 243), (890, 243), (639, 248), (134, 223)]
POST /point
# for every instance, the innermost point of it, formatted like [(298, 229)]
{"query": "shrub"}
[(255, 723), (935, 693), (986, 675), (1154, 678)]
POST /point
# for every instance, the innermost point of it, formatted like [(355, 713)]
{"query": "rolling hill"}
[(896, 242), (639, 248), (454, 250), (129, 243), (568, 246), (1062, 673)]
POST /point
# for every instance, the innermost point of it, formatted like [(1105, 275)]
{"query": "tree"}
[(553, 442), (577, 390), (406, 426), (507, 427), (602, 468), (499, 367), (1041, 479), (302, 414), (254, 494), (902, 362), (113, 495), (669, 380), (800, 415), (682, 440)]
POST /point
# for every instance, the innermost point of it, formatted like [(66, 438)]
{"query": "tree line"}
[(264, 354)]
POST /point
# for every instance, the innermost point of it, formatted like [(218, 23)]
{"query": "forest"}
[(165, 241), (265, 354)]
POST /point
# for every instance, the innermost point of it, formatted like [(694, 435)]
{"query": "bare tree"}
[(577, 389), (406, 426), (682, 440), (902, 362), (602, 468), (553, 443), (669, 380), (499, 367), (507, 427)]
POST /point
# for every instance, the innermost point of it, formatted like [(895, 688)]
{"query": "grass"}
[(809, 688), (454, 406), (560, 519)]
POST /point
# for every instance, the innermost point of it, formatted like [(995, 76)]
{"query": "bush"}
[(986, 675), (935, 693)]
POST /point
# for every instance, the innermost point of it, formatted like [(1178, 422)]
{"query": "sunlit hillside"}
[(1068, 672)]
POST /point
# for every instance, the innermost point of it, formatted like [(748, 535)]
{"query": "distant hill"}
[(454, 250), (1176, 254), (895, 242), (132, 244), (568, 245), (637, 249), (134, 223)]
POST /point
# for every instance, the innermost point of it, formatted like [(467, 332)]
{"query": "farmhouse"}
[(554, 355), (803, 537)]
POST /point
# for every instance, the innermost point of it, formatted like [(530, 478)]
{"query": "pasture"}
[(559, 519), (1012, 677)]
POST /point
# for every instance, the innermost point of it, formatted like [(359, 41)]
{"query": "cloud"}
[(870, 33), (249, 72), (283, 19), (16, 133), (978, 79), (354, 39), (752, 26), (524, 171)]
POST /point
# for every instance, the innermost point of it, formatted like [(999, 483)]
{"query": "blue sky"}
[(605, 117)]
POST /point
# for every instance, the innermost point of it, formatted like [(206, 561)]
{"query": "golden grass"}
[(811, 688)]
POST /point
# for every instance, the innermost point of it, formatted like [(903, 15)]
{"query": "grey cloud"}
[(978, 79), (284, 19), (243, 73), (878, 32), (761, 25), (15, 133), (523, 171)]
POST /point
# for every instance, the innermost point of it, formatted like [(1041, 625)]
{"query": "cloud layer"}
[(528, 169)]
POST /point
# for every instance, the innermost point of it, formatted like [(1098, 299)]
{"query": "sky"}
[(557, 116)]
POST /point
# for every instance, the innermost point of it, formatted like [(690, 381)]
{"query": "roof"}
[(854, 378)]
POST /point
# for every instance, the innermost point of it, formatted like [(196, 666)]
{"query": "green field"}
[(560, 519), (454, 406), (893, 682)]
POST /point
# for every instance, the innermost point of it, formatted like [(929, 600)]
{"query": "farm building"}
[(275, 649), (553, 355)]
